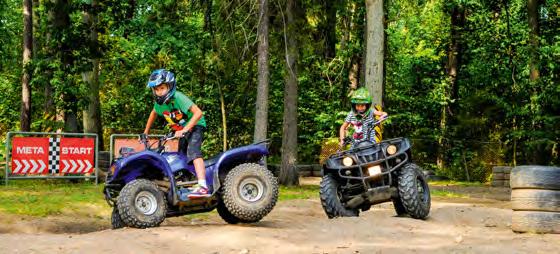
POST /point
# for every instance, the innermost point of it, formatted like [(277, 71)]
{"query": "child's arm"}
[(197, 114), (379, 113), (151, 120), (342, 132)]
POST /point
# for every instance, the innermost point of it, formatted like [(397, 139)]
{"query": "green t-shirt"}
[(175, 111)]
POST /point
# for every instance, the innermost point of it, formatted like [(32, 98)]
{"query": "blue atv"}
[(148, 186)]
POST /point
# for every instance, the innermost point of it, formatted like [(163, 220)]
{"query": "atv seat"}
[(211, 161)]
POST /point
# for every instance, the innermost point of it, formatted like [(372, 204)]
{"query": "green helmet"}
[(361, 96)]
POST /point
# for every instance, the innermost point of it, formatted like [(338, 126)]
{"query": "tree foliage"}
[(499, 115)]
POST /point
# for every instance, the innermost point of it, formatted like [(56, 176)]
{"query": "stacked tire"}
[(535, 199), (500, 176)]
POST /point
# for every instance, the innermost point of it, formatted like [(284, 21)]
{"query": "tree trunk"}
[(355, 68), (59, 22), (514, 88), (261, 112), (453, 64), (208, 27), (533, 13), (329, 27), (374, 49), (455, 51), (62, 25), (208, 17), (224, 119), (92, 114), (25, 117), (346, 19), (36, 27), (534, 74), (49, 108), (354, 73), (288, 172), (440, 158)]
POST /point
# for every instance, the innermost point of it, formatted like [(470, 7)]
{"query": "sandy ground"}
[(455, 225)]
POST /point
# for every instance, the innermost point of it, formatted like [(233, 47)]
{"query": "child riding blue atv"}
[(145, 187)]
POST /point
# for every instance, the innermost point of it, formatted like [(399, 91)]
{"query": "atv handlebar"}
[(161, 141)]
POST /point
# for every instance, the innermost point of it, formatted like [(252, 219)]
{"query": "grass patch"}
[(299, 192), (447, 194), (43, 198), (457, 183)]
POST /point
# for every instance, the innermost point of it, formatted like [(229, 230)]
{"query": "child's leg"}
[(194, 153), (200, 170)]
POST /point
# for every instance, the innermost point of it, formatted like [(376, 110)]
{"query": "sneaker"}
[(198, 192)]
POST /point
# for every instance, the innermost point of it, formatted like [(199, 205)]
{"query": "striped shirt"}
[(364, 128)]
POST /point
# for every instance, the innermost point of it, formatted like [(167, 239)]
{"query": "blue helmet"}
[(162, 76)]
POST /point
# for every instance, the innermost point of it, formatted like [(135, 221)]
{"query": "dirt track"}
[(456, 225)]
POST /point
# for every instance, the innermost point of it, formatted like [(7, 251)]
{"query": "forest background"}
[(473, 83)]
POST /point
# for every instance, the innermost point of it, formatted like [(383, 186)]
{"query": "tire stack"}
[(500, 176), (535, 199)]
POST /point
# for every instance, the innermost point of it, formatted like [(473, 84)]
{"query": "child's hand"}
[(179, 134), (142, 137)]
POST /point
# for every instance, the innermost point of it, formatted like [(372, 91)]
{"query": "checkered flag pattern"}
[(54, 155)]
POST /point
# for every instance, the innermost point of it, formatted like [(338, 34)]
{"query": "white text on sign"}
[(30, 150), (77, 150)]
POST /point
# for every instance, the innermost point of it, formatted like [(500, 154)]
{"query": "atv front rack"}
[(369, 156)]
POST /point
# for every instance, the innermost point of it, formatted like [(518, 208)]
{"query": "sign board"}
[(30, 156), (77, 155), (44, 155)]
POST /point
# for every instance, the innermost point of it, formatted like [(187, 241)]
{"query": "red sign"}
[(30, 155), (77, 155)]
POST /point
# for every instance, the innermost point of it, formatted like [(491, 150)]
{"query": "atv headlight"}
[(347, 161), (391, 149), (374, 170)]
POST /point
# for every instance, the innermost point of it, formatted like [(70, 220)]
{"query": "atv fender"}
[(244, 154), (136, 165)]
